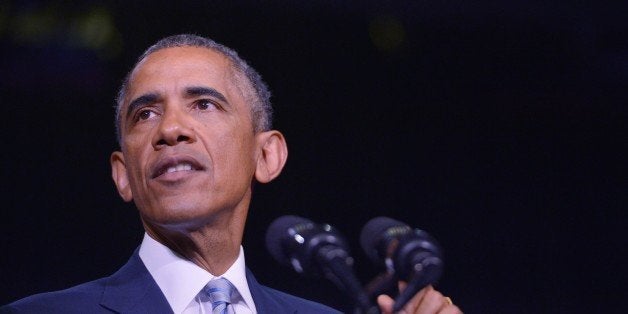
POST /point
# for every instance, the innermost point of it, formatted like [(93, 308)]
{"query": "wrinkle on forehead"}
[(222, 72), (154, 65)]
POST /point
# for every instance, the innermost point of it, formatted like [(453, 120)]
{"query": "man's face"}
[(188, 147)]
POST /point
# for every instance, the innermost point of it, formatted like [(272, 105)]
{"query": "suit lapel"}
[(133, 290), (265, 300)]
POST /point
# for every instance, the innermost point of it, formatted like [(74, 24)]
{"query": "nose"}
[(174, 128)]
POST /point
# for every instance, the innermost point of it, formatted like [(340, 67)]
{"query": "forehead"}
[(171, 70)]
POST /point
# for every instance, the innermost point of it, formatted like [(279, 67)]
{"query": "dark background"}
[(498, 127)]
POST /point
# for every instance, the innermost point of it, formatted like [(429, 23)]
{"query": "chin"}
[(180, 218)]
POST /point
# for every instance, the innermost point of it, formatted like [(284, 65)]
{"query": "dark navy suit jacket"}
[(133, 290)]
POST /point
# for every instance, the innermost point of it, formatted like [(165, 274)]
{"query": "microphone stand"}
[(338, 270)]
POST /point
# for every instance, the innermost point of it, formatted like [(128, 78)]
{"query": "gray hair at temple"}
[(250, 83)]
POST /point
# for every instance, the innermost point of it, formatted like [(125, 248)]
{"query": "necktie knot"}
[(220, 291)]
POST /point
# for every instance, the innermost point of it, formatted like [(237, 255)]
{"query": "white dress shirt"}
[(180, 280)]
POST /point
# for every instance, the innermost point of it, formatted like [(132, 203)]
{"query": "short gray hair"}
[(261, 108)]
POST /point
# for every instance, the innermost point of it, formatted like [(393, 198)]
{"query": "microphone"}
[(316, 249), (410, 254)]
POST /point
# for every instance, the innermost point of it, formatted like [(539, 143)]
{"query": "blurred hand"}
[(426, 301)]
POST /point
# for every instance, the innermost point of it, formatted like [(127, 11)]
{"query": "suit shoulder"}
[(85, 297), (304, 306)]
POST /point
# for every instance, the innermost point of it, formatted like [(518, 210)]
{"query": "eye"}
[(144, 114), (205, 104)]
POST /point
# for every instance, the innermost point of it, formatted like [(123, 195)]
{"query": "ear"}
[(273, 155), (120, 176)]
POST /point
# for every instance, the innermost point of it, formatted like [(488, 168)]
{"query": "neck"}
[(213, 247)]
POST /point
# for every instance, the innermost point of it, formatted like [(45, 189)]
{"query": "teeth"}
[(179, 167)]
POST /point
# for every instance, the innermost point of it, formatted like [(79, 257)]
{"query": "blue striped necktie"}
[(220, 291)]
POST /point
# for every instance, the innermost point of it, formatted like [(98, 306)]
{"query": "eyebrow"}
[(193, 91), (196, 91), (141, 101)]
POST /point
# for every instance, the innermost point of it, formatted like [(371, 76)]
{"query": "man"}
[(194, 125)]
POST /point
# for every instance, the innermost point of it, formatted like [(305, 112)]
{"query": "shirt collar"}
[(181, 280)]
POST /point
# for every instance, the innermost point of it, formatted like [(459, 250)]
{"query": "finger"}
[(413, 303), (450, 309), (402, 285), (385, 304), (431, 302)]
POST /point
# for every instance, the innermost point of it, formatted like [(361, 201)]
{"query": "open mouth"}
[(179, 167), (173, 165)]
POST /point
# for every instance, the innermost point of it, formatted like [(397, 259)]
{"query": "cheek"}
[(235, 153), (134, 158)]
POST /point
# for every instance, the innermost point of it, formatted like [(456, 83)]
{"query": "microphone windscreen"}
[(277, 232), (374, 232)]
